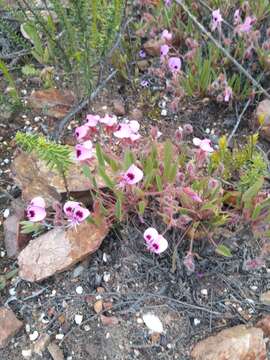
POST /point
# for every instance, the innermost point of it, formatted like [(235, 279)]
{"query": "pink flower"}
[(36, 209), (109, 120), (227, 93), (82, 132), (166, 35), (192, 194), (246, 26), (132, 176), (174, 64), (155, 242), (150, 234), (84, 151), (216, 20), (164, 50), (203, 144), (75, 212), (92, 120), (128, 130), (168, 3), (122, 131), (236, 17)]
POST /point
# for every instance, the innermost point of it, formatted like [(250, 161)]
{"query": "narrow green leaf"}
[(252, 192), (159, 182), (86, 171), (106, 178), (223, 250), (99, 154), (168, 154), (128, 159), (142, 206), (118, 209), (111, 162)]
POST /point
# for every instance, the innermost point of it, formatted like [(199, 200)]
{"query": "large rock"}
[(237, 343), (59, 249), (14, 240), (9, 326), (53, 102), (34, 178)]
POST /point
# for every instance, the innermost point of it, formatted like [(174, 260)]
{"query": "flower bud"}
[(188, 129)]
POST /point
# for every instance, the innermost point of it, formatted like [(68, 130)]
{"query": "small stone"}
[(79, 290), (55, 351), (163, 112), (27, 328), (98, 306), (119, 107), (87, 328), (106, 277), (207, 131), (78, 319), (105, 257), (109, 320), (6, 213), (78, 271), (140, 321), (265, 298), (27, 353), (59, 336), (33, 336), (204, 292), (2, 253), (12, 291), (196, 322), (6, 161), (254, 288)]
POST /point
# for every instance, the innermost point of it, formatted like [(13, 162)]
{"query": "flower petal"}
[(69, 207), (133, 175), (159, 245), (36, 213), (150, 234), (81, 132), (38, 201)]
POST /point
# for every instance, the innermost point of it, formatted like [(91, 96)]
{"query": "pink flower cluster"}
[(128, 131), (154, 241), (174, 63), (36, 211)]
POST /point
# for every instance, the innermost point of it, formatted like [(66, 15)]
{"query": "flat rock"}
[(14, 240), (34, 178), (265, 298), (53, 102), (236, 343), (264, 324), (119, 107), (59, 249), (9, 325)]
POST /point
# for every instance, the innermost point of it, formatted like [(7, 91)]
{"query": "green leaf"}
[(173, 172), (118, 209), (223, 250), (168, 155), (106, 178), (252, 192), (142, 206), (99, 154), (86, 171), (128, 159), (111, 162), (159, 182)]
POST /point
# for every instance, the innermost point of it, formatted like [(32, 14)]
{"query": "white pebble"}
[(27, 122), (59, 336), (104, 257), (33, 336), (254, 287), (163, 112), (108, 335), (2, 253), (27, 353), (6, 213), (27, 328), (197, 322), (12, 291), (79, 290), (207, 131), (204, 292), (53, 293), (87, 328), (139, 321), (106, 277), (78, 319), (6, 161), (24, 91), (37, 118), (24, 116)]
